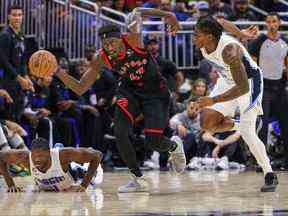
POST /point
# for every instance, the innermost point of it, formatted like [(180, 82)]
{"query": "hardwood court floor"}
[(193, 193)]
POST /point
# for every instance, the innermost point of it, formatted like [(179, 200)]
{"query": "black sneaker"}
[(271, 183)]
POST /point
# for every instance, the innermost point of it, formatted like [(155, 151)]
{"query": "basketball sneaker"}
[(135, 185), (271, 183), (177, 157)]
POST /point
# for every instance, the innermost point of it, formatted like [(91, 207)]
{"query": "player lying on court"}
[(49, 167), (240, 85)]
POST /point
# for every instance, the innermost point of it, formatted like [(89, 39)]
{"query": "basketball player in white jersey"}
[(49, 167), (240, 85)]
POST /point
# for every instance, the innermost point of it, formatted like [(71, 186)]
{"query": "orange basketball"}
[(42, 64)]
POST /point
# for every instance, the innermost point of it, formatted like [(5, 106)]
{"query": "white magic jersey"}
[(216, 59), (225, 81), (55, 179)]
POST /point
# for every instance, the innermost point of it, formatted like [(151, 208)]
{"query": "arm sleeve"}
[(10, 70)]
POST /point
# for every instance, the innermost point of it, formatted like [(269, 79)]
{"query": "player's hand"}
[(76, 188), (182, 131), (205, 101), (5, 94), (15, 189), (173, 24), (24, 83), (15, 128), (250, 33), (30, 84)]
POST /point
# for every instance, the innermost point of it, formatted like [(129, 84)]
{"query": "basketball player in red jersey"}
[(142, 89)]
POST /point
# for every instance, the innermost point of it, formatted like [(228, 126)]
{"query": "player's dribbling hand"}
[(15, 189), (205, 101)]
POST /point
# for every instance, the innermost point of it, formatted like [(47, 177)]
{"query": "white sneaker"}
[(135, 185), (194, 164), (177, 158), (222, 164)]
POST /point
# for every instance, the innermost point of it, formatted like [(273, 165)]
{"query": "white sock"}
[(256, 146)]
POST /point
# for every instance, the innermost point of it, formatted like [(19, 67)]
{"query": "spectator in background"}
[(152, 4), (203, 8), (199, 89), (13, 71), (181, 11), (186, 126), (219, 9), (168, 68), (166, 5), (242, 12), (119, 5), (107, 3), (226, 145), (131, 4), (271, 52)]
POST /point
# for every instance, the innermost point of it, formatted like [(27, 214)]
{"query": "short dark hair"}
[(40, 143), (274, 14), (14, 7), (210, 25), (109, 31)]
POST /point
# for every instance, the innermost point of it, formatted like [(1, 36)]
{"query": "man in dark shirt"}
[(13, 71), (167, 68), (241, 12), (219, 9)]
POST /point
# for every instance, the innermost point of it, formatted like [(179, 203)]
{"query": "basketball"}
[(42, 64)]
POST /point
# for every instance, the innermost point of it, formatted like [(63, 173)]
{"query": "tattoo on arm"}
[(232, 54), (87, 80)]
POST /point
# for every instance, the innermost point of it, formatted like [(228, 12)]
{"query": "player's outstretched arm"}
[(86, 81), (135, 19), (245, 34), (12, 157), (232, 55), (82, 155)]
